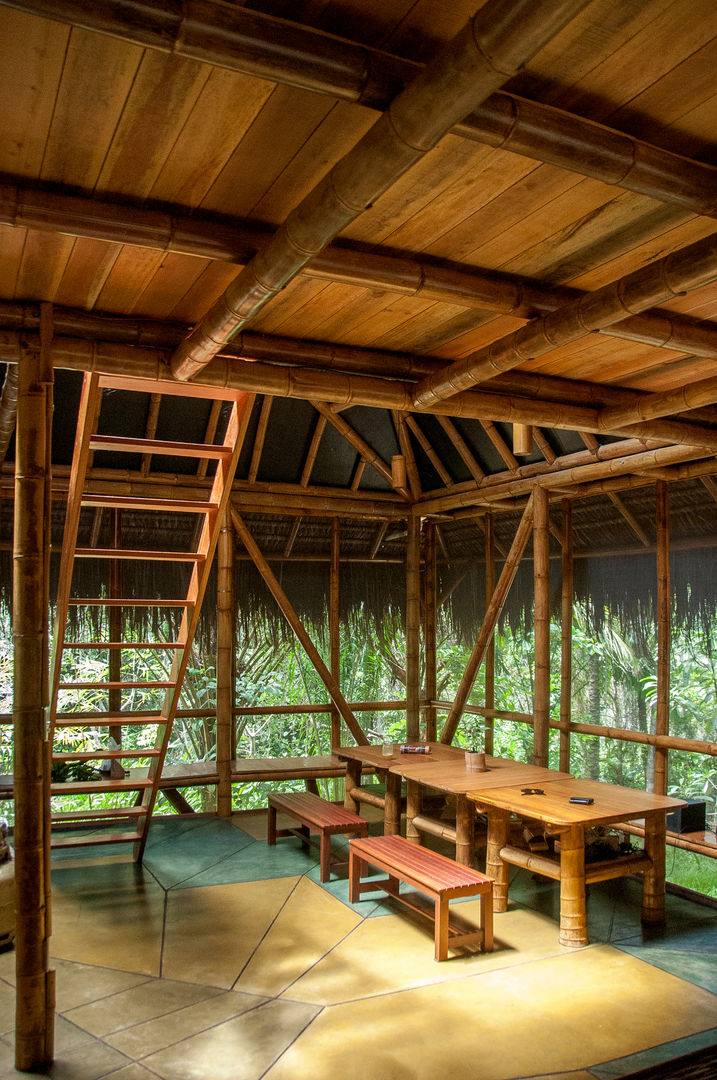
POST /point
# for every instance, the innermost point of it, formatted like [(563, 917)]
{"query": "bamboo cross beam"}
[(297, 626), (478, 60), (663, 279), (493, 610), (359, 444)]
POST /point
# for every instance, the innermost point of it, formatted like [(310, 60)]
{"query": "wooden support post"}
[(566, 634), (490, 651), (664, 606), (115, 634), (34, 1023), (497, 838), (653, 881), (297, 626), (413, 619), (429, 627), (225, 665), (413, 809), (491, 617), (334, 627), (541, 584), (573, 920)]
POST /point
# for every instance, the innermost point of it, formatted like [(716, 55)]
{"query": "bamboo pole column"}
[(489, 672), (114, 696), (573, 918), (653, 879), (334, 626), (34, 1023), (664, 604), (541, 585), (429, 628), (566, 634), (225, 665), (413, 619)]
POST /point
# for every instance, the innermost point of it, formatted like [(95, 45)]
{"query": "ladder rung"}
[(95, 840), (116, 685), (130, 502), (104, 755), (119, 444), (91, 814), (103, 601), (123, 645), (97, 787), (86, 719), (129, 553)]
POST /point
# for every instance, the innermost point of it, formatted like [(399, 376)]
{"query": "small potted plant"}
[(474, 733)]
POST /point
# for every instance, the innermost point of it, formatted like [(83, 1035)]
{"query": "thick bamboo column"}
[(566, 634), (490, 651), (34, 1023), (296, 625), (334, 628), (497, 838), (573, 918), (541, 585), (413, 623), (429, 628), (491, 617), (653, 881), (664, 626), (225, 665)]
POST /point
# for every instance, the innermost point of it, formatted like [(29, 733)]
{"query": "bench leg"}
[(486, 919), (325, 857), (271, 825), (356, 867), (311, 784), (441, 920)]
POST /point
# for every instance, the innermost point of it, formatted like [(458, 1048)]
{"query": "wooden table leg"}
[(392, 805), (653, 879), (465, 831), (353, 779), (573, 911), (413, 807), (494, 866)]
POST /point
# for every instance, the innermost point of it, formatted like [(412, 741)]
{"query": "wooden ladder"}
[(130, 823)]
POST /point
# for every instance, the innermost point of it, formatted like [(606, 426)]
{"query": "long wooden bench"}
[(315, 815), (432, 874)]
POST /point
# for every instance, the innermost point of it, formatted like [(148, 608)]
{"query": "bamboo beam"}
[(664, 630), (381, 532), (404, 441), (489, 675), (629, 518), (688, 396), (493, 611), (458, 79), (500, 444), (226, 651), (291, 539), (334, 624), (313, 450), (543, 445), (541, 586), (413, 624), (677, 273), (209, 435), (462, 447), (359, 444), (8, 408), (298, 628), (566, 633), (344, 390), (34, 1020), (150, 430), (428, 450), (429, 628), (259, 438)]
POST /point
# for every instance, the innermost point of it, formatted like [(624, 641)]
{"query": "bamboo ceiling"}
[(149, 152)]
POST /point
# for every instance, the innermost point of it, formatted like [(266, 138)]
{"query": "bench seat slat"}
[(315, 815)]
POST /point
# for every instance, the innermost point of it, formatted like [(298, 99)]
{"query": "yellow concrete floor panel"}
[(240, 1049), (152, 999), (90, 925), (141, 1040), (211, 932), (395, 952), (310, 924), (550, 1016)]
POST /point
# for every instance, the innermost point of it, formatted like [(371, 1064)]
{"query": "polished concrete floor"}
[(223, 958)]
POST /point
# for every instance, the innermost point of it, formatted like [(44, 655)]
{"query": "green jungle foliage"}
[(613, 685)]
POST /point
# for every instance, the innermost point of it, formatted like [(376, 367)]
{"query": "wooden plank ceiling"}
[(143, 162)]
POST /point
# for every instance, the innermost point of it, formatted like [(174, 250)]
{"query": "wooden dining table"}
[(448, 773), (567, 822)]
